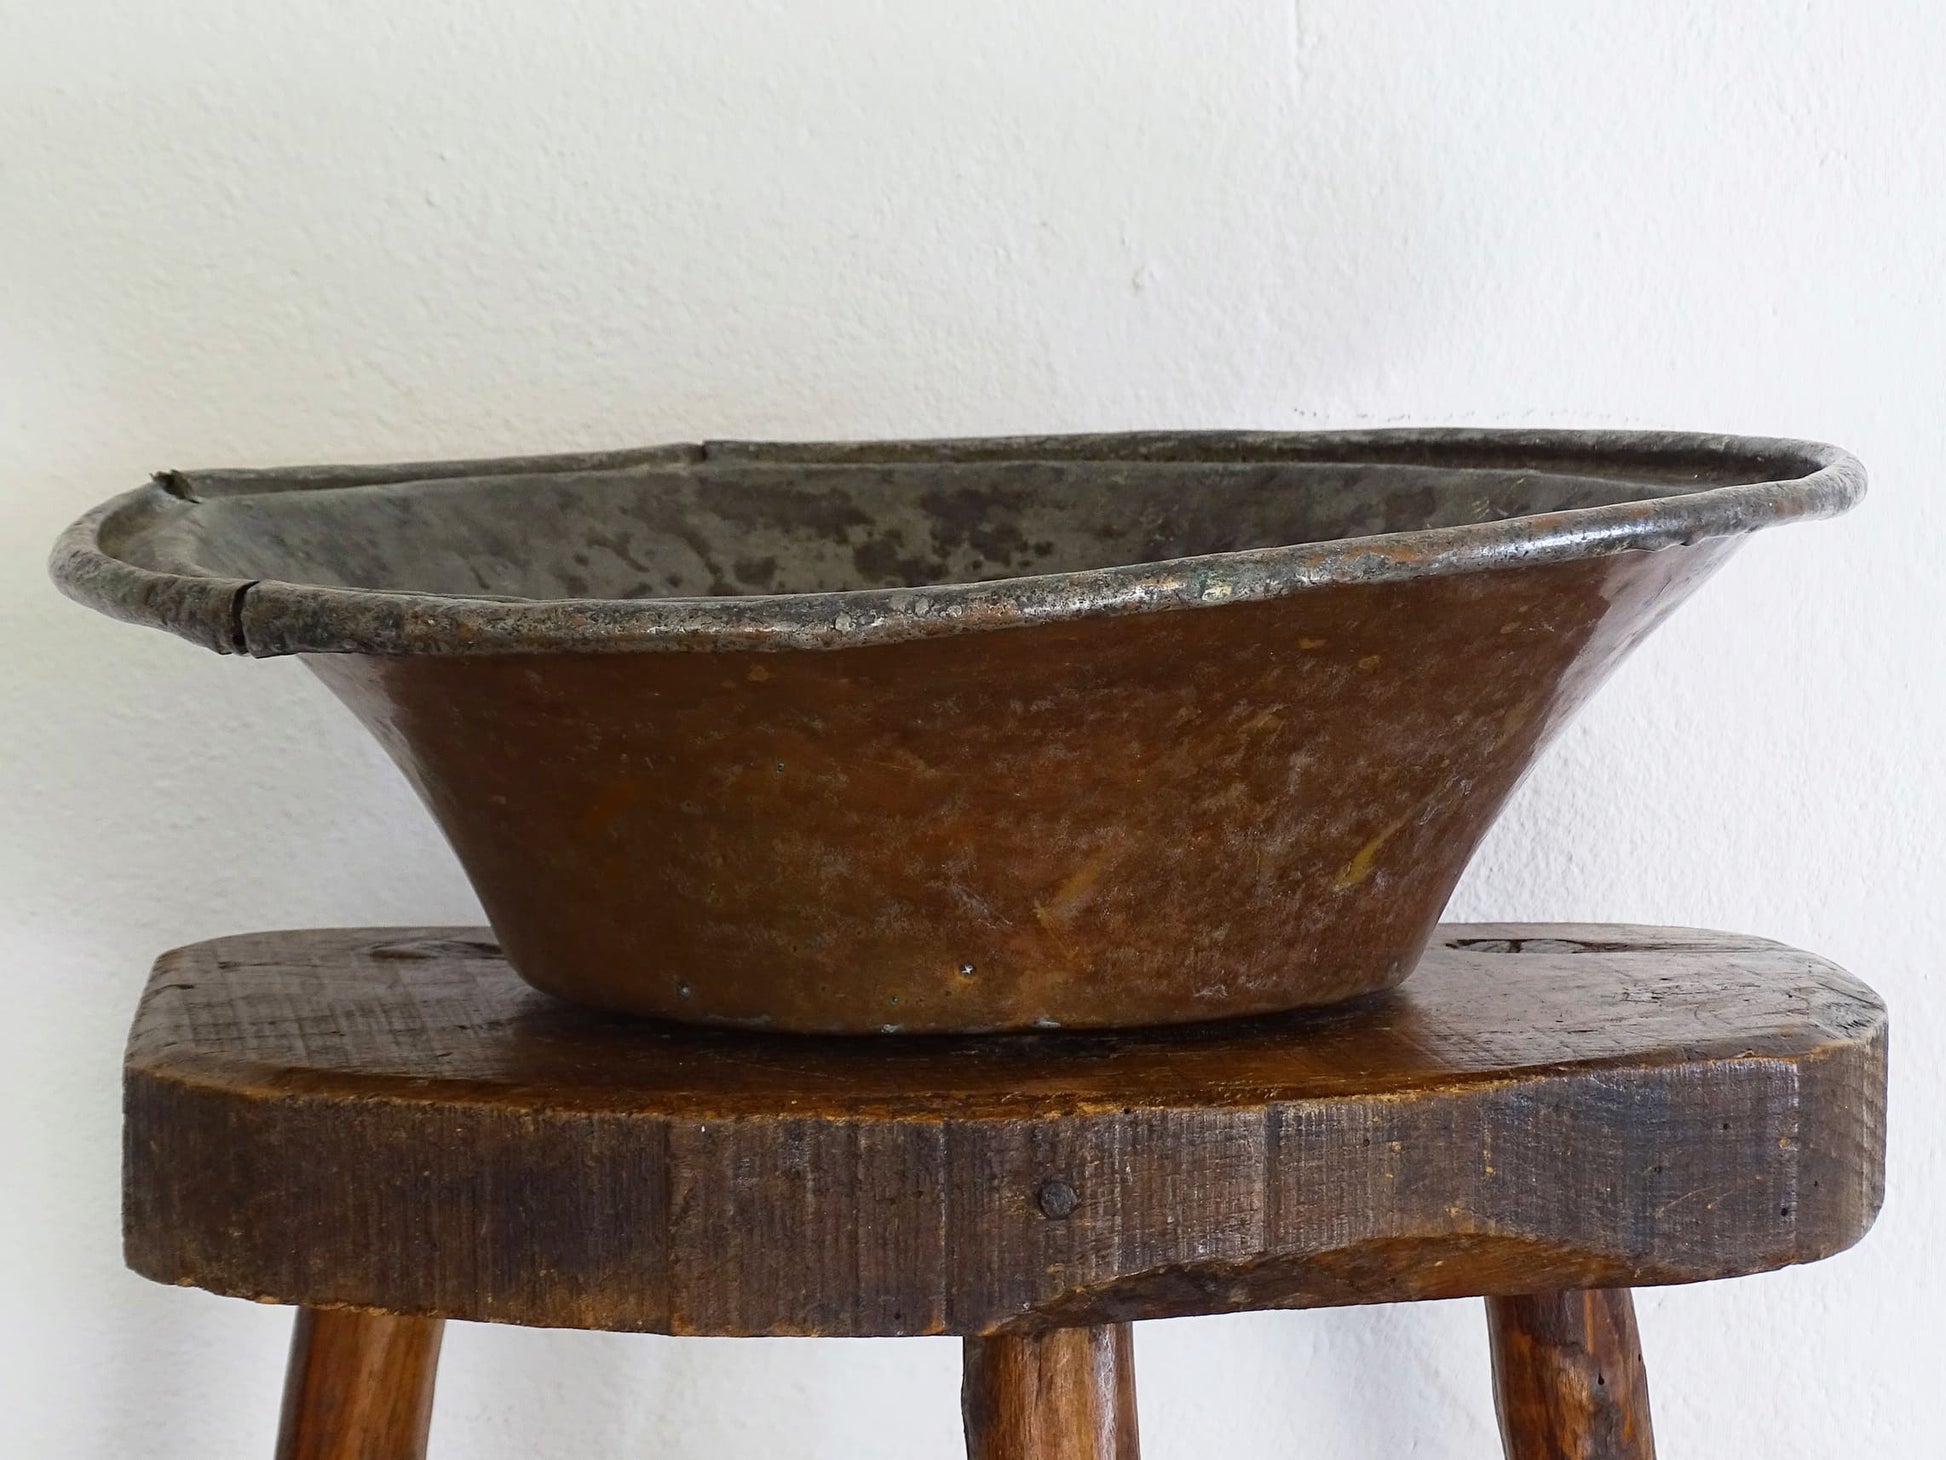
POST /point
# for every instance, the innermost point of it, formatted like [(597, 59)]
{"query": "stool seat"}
[(389, 1119)]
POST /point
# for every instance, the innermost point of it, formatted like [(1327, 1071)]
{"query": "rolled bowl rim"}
[(266, 617)]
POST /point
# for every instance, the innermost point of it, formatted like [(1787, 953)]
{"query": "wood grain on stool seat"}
[(389, 1119)]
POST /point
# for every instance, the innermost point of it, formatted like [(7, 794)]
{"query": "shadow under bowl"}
[(966, 735)]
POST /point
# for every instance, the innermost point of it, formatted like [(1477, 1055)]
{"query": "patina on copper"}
[(1081, 731)]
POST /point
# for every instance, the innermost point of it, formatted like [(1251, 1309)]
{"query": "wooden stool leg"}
[(359, 1386), (1064, 1395), (1568, 1378)]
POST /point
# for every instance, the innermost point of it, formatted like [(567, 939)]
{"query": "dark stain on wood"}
[(313, 1118)]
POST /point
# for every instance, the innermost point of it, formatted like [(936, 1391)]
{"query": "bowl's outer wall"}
[(1115, 821)]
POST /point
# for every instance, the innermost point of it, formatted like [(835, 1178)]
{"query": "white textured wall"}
[(256, 234)]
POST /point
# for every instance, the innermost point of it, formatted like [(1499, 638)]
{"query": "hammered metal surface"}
[(1079, 732)]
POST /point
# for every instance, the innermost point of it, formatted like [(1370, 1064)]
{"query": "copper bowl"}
[(965, 735)]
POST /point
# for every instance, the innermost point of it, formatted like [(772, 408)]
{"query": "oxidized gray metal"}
[(197, 552)]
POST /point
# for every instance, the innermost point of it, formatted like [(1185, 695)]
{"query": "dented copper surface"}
[(921, 736)]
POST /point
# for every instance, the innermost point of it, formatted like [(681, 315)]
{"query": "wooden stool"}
[(386, 1127)]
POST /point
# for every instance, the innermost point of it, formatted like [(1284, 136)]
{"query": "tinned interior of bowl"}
[(740, 526)]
